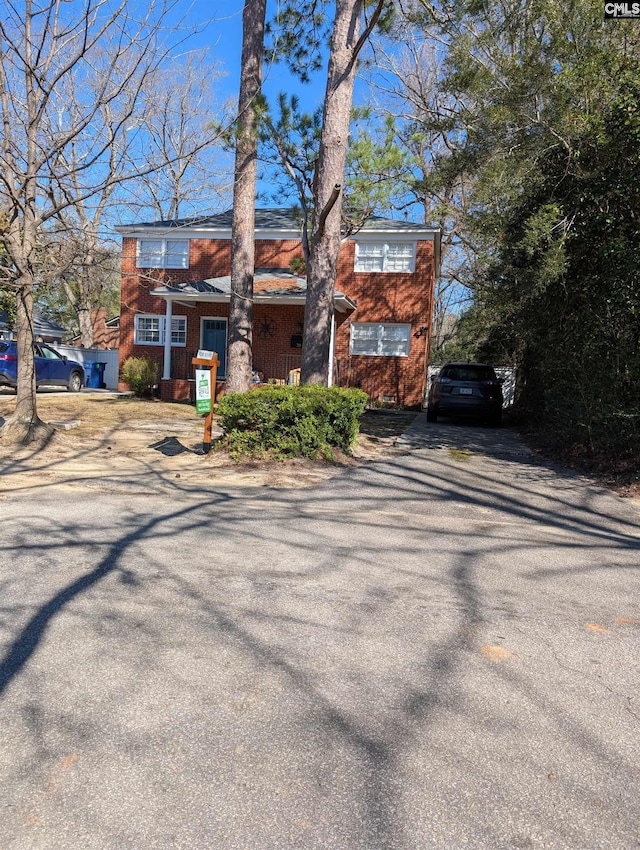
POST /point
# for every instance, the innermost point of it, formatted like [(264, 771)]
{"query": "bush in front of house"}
[(305, 421), (141, 375)]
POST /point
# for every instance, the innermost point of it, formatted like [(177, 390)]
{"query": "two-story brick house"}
[(176, 276)]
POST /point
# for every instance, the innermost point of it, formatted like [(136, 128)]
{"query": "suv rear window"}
[(468, 373)]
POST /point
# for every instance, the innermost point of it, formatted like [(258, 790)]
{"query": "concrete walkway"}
[(440, 650)]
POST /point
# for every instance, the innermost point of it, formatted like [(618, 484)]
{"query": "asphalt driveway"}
[(440, 650)]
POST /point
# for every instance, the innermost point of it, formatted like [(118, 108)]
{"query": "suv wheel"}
[(432, 415), (75, 382)]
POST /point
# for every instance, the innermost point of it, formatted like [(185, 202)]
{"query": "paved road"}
[(437, 651)]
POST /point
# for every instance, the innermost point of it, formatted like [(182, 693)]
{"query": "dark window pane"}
[(468, 373)]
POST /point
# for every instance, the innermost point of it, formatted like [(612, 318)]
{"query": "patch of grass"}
[(460, 455), (99, 413)]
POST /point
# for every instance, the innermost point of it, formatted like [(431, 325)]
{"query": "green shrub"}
[(304, 421), (141, 374)]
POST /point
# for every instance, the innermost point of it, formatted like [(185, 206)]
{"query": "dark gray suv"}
[(466, 389)]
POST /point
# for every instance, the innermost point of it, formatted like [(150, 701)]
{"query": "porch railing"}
[(275, 367), (181, 367)]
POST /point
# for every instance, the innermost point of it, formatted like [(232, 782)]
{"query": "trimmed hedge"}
[(304, 421)]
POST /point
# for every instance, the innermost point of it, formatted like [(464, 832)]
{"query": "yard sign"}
[(203, 391), (206, 391)]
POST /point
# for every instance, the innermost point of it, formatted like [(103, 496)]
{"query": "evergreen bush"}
[(305, 421)]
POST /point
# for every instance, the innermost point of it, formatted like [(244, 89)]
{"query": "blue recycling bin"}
[(94, 374)]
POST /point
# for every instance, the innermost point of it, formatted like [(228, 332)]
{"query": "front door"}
[(214, 338)]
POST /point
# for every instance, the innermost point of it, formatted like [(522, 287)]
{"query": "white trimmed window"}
[(178, 330), (149, 330), (380, 340), (385, 256), (163, 254)]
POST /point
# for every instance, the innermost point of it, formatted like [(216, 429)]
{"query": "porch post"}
[(332, 349), (166, 370)]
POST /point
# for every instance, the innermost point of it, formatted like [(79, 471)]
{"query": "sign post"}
[(206, 390)]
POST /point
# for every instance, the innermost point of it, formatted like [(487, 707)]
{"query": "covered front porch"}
[(197, 313), (270, 368)]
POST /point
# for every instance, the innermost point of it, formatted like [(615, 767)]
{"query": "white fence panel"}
[(81, 355), (506, 373), (508, 376)]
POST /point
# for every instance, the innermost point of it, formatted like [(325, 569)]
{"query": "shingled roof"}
[(278, 219), (273, 285), (41, 327)]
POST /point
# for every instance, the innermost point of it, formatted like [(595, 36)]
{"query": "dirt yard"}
[(105, 441)]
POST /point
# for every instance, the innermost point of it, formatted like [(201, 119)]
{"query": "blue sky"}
[(223, 37), (221, 34)]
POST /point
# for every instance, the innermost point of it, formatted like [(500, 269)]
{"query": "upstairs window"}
[(149, 330), (382, 340), (385, 256), (163, 254)]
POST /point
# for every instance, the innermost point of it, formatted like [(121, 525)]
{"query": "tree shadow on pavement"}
[(360, 608)]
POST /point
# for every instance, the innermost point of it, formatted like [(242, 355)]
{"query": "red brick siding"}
[(388, 298), (175, 390), (402, 298)]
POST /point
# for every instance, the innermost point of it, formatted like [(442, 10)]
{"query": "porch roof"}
[(271, 286)]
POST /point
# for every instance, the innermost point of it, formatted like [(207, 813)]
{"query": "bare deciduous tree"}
[(170, 137), (82, 276), (407, 83), (54, 153), (189, 172)]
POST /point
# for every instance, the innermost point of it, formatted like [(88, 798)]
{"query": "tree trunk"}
[(89, 289), (239, 359), (24, 426), (325, 246), (86, 326), (82, 301)]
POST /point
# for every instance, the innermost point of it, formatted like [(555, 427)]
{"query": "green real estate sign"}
[(203, 391)]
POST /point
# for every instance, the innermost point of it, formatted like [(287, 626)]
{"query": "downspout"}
[(166, 369), (332, 347)]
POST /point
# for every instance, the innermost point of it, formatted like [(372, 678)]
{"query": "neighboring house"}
[(176, 275), (43, 330), (106, 332)]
